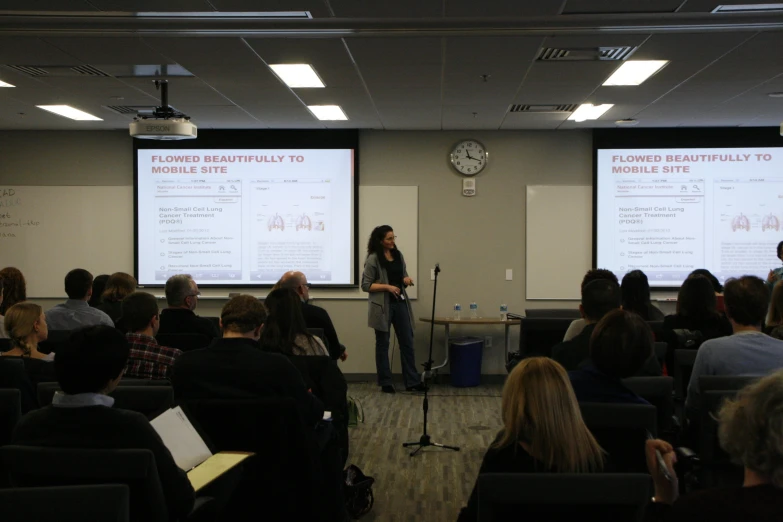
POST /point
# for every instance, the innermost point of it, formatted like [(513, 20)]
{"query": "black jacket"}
[(181, 320), (99, 427), (238, 369), (724, 504), (317, 317)]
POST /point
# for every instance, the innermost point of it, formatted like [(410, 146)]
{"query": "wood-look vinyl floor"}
[(436, 483)]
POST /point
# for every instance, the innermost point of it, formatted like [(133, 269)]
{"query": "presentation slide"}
[(237, 216), (670, 211)]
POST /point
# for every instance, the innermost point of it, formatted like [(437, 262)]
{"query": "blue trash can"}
[(465, 356)]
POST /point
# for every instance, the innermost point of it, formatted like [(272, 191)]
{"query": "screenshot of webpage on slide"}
[(669, 211), (245, 216)]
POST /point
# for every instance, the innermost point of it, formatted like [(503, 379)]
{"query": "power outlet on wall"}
[(488, 341)]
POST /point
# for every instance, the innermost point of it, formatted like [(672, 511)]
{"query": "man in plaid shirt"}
[(148, 359)]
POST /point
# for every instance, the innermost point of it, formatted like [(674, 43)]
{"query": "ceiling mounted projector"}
[(163, 123)]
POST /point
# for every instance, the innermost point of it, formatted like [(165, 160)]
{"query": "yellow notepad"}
[(206, 472)]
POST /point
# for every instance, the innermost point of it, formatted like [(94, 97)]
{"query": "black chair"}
[(565, 497), (660, 352), (184, 341), (93, 503), (622, 430), (285, 469), (716, 466), (150, 401), (540, 334), (5, 345), (657, 329), (658, 392), (13, 376), (10, 413), (54, 340), (215, 320), (562, 313), (30, 466), (683, 367)]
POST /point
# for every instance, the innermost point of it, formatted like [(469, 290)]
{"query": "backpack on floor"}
[(358, 492), (355, 412)]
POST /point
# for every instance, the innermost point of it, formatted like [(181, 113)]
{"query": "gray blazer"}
[(378, 316)]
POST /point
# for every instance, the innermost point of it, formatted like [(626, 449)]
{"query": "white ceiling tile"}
[(396, 9), (379, 52), (113, 51)]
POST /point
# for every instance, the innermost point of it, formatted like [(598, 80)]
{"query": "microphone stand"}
[(425, 440)]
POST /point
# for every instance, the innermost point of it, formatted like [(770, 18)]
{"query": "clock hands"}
[(469, 156)]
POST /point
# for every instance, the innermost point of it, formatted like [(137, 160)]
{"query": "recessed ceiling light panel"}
[(748, 8), (588, 111), (69, 112), (328, 112), (4, 84), (634, 72), (297, 75)]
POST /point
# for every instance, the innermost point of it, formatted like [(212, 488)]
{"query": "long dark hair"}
[(696, 299), (14, 288), (635, 291), (98, 285), (714, 280), (375, 243), (284, 322)]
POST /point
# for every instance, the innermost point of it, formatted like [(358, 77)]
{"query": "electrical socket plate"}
[(432, 274), (488, 341)]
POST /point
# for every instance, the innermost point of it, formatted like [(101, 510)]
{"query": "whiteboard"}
[(45, 231), (559, 240)]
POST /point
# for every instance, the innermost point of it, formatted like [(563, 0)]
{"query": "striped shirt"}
[(148, 359)]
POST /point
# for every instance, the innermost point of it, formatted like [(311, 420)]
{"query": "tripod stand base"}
[(425, 441)]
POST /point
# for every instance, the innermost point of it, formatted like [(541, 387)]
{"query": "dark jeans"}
[(403, 328)]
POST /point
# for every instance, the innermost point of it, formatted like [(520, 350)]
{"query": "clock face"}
[(469, 157)]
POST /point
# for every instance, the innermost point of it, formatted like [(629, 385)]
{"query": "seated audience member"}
[(635, 290), (147, 359), (88, 368), (14, 288), (578, 325), (75, 312), (750, 431), (117, 288), (285, 330), (235, 367), (3, 335), (719, 305), (314, 316), (774, 324), (696, 310), (98, 286), (26, 326), (776, 274), (182, 299), (543, 429), (620, 346), (748, 351)]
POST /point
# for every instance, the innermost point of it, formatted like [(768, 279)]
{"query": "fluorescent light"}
[(327, 112), (3, 84), (69, 112), (588, 111), (635, 72), (297, 75), (741, 8), (225, 14)]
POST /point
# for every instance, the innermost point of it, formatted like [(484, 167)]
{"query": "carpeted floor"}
[(436, 483)]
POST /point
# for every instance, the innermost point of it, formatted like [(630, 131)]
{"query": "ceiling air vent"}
[(543, 108), (586, 54), (131, 109), (54, 71)]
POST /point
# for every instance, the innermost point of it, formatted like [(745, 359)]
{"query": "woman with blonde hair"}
[(118, 287), (25, 325), (543, 428), (750, 430), (774, 326)]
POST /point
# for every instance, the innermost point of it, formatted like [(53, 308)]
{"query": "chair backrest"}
[(659, 348), (724, 382), (563, 497), (150, 401), (657, 329), (717, 468), (540, 334), (658, 391), (5, 344), (683, 367), (184, 341), (127, 381), (30, 466), (214, 319), (10, 413), (285, 469), (563, 313), (54, 340), (622, 431), (96, 503), (13, 375)]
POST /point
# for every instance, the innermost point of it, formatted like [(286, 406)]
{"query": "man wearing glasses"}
[(314, 316), (182, 297)]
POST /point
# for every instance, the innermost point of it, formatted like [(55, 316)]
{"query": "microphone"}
[(437, 268)]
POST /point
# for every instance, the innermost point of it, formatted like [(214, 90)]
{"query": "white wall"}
[(473, 239)]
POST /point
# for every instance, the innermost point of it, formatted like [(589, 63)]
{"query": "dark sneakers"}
[(388, 389)]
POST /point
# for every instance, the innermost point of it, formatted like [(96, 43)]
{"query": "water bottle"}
[(473, 310), (503, 312), (457, 310)]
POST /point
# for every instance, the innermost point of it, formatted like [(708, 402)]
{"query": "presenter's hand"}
[(771, 278), (408, 281), (343, 356), (393, 290)]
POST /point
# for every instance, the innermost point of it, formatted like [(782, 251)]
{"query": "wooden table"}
[(448, 321)]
